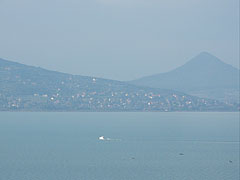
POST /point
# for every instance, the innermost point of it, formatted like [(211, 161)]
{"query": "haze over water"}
[(49, 146)]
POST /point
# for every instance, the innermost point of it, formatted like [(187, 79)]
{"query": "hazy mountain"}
[(27, 88), (205, 75)]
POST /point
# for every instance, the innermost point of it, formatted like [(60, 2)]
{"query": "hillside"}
[(27, 88), (205, 75)]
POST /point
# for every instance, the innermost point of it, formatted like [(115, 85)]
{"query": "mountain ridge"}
[(29, 88), (202, 73)]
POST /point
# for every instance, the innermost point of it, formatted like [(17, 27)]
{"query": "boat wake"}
[(102, 138)]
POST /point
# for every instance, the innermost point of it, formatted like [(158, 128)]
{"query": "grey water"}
[(142, 146)]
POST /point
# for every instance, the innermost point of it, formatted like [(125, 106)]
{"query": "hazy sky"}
[(118, 39)]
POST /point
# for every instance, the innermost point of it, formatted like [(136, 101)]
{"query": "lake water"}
[(142, 146)]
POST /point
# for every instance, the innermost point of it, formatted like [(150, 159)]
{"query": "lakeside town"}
[(26, 88)]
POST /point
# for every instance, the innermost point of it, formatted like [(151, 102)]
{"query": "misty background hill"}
[(28, 88), (204, 75)]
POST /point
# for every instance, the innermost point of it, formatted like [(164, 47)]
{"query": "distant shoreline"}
[(129, 111)]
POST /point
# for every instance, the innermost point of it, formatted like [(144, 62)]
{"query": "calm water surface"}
[(142, 146)]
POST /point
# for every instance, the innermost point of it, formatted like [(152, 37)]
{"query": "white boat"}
[(101, 138)]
